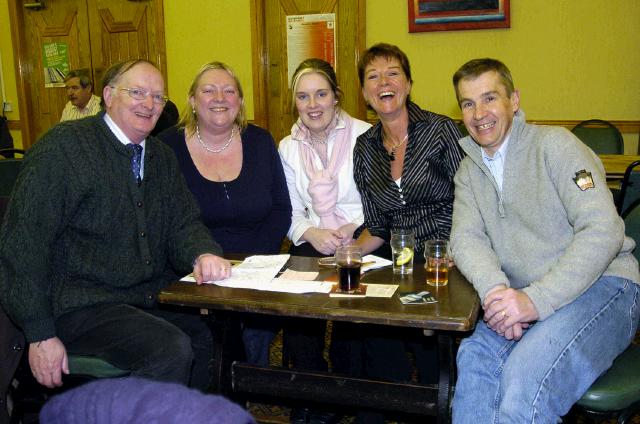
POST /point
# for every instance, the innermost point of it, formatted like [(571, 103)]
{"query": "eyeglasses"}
[(140, 94)]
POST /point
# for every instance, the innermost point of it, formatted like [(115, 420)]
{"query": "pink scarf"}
[(323, 183)]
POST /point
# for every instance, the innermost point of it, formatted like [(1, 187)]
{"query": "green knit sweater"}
[(79, 231)]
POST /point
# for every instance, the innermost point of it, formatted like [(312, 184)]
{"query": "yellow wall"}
[(570, 59), (8, 70), (201, 31)]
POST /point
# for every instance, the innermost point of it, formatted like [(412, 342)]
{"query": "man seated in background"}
[(82, 102), (99, 219), (536, 232)]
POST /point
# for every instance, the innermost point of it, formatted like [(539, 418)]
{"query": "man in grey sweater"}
[(536, 232), (99, 220)]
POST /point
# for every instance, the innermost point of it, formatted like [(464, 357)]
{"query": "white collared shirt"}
[(72, 112), (115, 129), (496, 163)]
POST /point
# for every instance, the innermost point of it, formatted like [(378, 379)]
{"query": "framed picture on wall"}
[(451, 15)]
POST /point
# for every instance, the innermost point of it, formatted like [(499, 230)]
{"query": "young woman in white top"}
[(318, 163), (326, 208)]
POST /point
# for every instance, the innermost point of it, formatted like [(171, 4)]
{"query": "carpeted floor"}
[(278, 414)]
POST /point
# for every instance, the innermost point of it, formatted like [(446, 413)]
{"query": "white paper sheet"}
[(258, 272)]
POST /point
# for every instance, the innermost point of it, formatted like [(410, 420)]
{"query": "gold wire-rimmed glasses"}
[(140, 94)]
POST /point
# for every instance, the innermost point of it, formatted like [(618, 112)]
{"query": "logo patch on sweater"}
[(583, 180)]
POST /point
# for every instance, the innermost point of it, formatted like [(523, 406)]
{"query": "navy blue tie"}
[(136, 160)]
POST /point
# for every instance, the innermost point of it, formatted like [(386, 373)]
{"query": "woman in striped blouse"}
[(404, 165)]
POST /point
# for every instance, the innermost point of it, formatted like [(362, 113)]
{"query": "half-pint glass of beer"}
[(437, 262)]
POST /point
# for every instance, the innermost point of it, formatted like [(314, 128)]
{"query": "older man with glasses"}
[(100, 220)]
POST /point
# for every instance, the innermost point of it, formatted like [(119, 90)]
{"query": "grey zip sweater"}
[(542, 233), (80, 232)]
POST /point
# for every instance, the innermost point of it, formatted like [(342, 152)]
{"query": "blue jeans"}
[(539, 378)]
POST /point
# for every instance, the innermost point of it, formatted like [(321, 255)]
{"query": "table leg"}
[(446, 380), (222, 327)]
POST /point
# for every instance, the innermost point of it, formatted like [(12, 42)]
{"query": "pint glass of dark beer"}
[(348, 262)]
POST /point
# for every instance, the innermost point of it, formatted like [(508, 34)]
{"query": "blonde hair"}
[(314, 66), (189, 119)]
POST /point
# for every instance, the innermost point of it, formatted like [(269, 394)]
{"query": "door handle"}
[(36, 5)]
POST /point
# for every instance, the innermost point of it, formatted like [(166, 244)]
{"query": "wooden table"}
[(616, 165), (455, 313)]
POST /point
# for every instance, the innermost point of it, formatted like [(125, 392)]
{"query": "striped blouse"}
[(424, 199)]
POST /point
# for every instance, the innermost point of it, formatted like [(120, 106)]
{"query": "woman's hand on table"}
[(209, 267), (324, 241)]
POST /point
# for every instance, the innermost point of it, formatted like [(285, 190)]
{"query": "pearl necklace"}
[(392, 155), (223, 148)]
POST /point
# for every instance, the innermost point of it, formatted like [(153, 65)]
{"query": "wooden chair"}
[(601, 136), (11, 153)]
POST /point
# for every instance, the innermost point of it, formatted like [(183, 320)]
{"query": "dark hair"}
[(84, 75), (317, 66), (476, 67), (115, 71), (387, 51)]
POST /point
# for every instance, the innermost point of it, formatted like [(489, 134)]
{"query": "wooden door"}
[(61, 21), (97, 34), (123, 30), (272, 96)]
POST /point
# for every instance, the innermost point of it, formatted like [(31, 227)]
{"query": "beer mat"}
[(290, 274), (372, 290), (361, 291), (417, 298)]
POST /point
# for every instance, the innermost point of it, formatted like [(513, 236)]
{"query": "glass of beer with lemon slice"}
[(403, 243)]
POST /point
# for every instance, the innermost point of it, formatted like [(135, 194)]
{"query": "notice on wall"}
[(310, 36), (55, 59)]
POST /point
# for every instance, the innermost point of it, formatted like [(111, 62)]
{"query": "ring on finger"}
[(504, 313)]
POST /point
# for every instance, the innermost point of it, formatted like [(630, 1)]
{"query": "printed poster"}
[(55, 58), (310, 36)]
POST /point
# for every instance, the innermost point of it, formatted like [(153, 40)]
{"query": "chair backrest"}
[(10, 153), (632, 228), (601, 136), (629, 189), (9, 170)]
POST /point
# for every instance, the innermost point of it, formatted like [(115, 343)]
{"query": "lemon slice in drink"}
[(405, 256)]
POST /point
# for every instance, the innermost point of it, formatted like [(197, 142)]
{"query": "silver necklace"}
[(223, 148)]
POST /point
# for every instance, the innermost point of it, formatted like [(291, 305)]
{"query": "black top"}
[(424, 199), (168, 118), (250, 214)]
